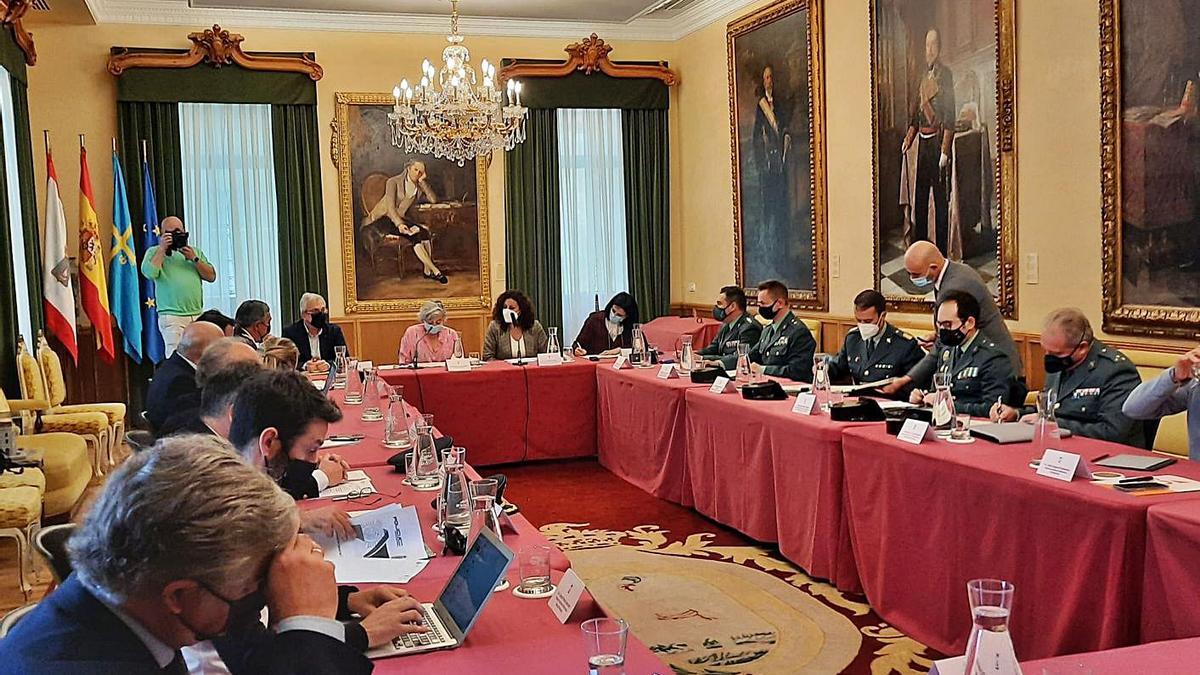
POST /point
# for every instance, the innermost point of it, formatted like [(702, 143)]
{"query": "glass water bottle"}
[(552, 344), (686, 356), (990, 648), (396, 433), (943, 404), (354, 386), (743, 363), (454, 503), (425, 476)]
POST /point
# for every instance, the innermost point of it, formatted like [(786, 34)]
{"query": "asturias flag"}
[(93, 289), (123, 295), (153, 339), (58, 298)]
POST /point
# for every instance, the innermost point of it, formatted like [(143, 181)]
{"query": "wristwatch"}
[(196, 260)]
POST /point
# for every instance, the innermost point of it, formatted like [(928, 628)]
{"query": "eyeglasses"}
[(365, 497)]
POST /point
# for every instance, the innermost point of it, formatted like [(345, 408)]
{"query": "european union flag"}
[(152, 336), (123, 297)]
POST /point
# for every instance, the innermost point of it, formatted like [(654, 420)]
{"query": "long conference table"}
[(1095, 569)]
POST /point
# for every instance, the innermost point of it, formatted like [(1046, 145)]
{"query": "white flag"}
[(58, 295)]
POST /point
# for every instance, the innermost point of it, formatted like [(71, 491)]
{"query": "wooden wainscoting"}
[(834, 329)]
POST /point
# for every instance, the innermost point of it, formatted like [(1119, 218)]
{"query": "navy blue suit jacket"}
[(172, 390), (331, 336), (73, 632)]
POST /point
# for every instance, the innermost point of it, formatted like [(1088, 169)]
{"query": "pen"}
[(1000, 409), (1104, 456)]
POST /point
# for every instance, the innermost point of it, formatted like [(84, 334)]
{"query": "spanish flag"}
[(93, 289)]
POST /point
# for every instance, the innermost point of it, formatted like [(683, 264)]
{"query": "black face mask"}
[(1057, 364), (718, 312), (320, 319), (243, 614), (768, 312), (952, 337)]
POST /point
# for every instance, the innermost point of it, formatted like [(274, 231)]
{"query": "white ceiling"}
[(611, 19)]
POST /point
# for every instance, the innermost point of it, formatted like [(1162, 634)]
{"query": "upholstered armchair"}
[(92, 425), (64, 458), (56, 388)]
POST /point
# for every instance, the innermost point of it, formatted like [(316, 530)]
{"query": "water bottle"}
[(943, 406), (396, 433), (820, 373), (454, 505), (552, 345), (425, 477), (639, 346), (743, 363), (990, 648), (371, 397), (340, 359), (1045, 434), (354, 386), (458, 348), (686, 356)]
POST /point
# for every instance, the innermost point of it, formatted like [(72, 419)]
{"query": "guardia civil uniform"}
[(982, 374), (723, 348), (786, 349), (1091, 395), (891, 353)]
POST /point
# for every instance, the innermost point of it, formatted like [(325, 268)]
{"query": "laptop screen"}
[(471, 586), (330, 378)]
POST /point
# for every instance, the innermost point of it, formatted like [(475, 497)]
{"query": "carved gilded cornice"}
[(590, 56), (216, 47), (11, 13)]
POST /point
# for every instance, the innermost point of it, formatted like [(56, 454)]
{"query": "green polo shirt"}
[(176, 284)]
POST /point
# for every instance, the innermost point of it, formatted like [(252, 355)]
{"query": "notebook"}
[(1009, 432), (1136, 462)]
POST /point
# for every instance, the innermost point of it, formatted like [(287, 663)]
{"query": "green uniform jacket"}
[(786, 350), (742, 330), (895, 353), (1090, 397), (983, 373)]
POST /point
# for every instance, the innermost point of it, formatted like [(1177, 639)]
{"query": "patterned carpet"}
[(705, 598)]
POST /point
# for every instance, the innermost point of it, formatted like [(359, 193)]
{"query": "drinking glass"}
[(475, 357), (604, 640), (990, 648), (533, 561), (962, 427)]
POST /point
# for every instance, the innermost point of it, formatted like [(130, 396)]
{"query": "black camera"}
[(179, 241)]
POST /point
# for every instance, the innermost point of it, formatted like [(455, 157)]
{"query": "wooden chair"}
[(92, 426), (21, 516)]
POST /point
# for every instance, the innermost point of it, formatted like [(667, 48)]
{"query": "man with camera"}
[(177, 271)]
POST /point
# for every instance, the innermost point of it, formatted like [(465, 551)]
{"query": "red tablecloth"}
[(1175, 657), (1170, 608), (773, 475), (664, 332), (926, 519), (642, 431), (562, 411), (484, 410)]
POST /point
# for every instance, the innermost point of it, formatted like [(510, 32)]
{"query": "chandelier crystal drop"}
[(455, 113)]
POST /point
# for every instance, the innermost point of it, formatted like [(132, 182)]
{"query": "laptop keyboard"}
[(435, 636)]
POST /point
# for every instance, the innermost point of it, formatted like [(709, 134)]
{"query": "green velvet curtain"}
[(9, 328), (158, 125), (645, 138), (13, 60), (531, 217), (29, 211), (298, 195)]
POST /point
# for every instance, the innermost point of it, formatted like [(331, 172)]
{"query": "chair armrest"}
[(26, 404)]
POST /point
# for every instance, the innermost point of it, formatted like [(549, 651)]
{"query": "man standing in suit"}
[(1090, 380), (980, 373), (187, 543), (737, 327), (314, 336), (874, 350), (174, 384), (786, 347), (928, 267)]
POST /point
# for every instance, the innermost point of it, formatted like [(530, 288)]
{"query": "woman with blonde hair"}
[(279, 353)]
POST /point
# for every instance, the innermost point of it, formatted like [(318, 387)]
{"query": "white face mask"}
[(868, 330), (510, 315)]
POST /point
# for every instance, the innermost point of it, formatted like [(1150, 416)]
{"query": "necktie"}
[(870, 347), (176, 666)]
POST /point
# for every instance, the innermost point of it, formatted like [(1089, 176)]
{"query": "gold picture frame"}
[(356, 300), (1001, 28), (815, 298), (1122, 314)]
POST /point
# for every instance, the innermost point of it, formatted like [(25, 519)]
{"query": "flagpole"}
[(46, 139), (143, 150), (114, 145), (81, 146)]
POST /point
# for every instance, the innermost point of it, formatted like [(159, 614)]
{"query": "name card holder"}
[(566, 596), (622, 362), (364, 366), (914, 431), (550, 359), (667, 372), (1064, 466), (458, 365), (718, 386), (805, 404)]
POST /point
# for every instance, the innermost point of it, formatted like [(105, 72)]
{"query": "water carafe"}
[(454, 502), (354, 385), (424, 477), (1045, 433), (743, 363), (686, 355), (943, 404), (552, 344), (990, 648), (396, 433)]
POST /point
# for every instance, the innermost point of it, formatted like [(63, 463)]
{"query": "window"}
[(592, 212), (16, 231), (229, 199)]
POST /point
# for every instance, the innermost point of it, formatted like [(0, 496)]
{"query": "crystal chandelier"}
[(450, 113)]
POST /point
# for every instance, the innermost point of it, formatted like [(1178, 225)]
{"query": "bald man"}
[(177, 270), (927, 267), (174, 384), (221, 354)]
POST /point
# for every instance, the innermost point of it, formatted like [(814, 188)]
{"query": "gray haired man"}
[(158, 567), (1176, 390)]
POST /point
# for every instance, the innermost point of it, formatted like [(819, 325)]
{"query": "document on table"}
[(1175, 484), (865, 386), (356, 481), (409, 366), (387, 548), (894, 405)]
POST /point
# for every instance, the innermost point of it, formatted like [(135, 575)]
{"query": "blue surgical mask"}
[(433, 329), (920, 282), (614, 317)]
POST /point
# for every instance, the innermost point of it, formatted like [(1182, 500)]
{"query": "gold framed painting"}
[(414, 227), (1149, 177), (944, 154), (777, 117)]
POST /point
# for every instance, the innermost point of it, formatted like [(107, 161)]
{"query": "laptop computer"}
[(1009, 432), (461, 602), (330, 378)]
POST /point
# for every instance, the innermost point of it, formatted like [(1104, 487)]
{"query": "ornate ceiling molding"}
[(590, 56), (216, 47), (11, 13), (179, 13)]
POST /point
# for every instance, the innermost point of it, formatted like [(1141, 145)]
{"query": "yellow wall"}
[(1057, 135), (70, 93)]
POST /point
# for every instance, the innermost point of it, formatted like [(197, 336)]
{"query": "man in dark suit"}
[(253, 322), (786, 346), (216, 401), (137, 597), (174, 383), (875, 349), (314, 336), (928, 267)]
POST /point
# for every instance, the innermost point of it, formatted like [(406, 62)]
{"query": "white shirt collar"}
[(163, 653), (937, 284), (186, 360)]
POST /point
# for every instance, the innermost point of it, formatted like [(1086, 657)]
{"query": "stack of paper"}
[(387, 548), (356, 482)]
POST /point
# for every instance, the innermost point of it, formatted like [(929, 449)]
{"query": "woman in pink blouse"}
[(430, 340)]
